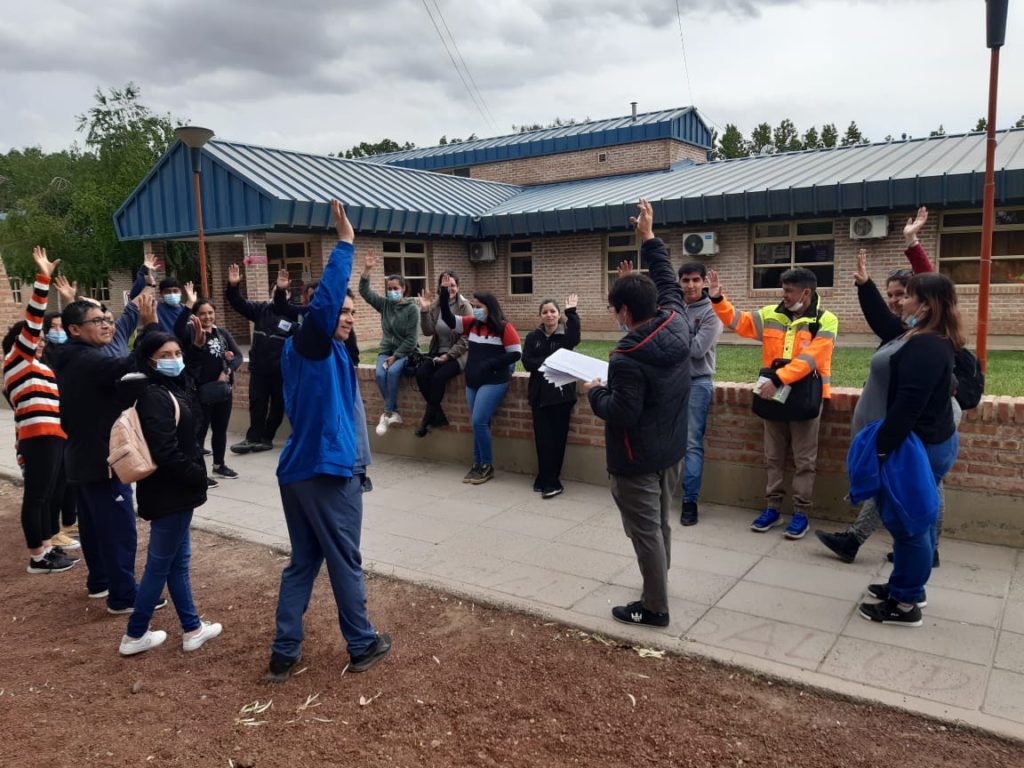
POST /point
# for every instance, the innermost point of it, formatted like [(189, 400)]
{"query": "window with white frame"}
[(407, 258), (16, 288), (619, 248), (293, 257), (782, 245), (100, 291), (520, 267), (959, 254)]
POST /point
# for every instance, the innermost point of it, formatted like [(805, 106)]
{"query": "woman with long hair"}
[(447, 353), (493, 351), (169, 496), (552, 406), (910, 381)]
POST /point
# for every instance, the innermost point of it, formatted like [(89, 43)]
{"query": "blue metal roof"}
[(248, 188), (683, 124)]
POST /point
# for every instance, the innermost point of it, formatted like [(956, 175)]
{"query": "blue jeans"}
[(106, 521), (388, 380), (324, 516), (912, 555), (483, 402), (167, 559), (702, 390)]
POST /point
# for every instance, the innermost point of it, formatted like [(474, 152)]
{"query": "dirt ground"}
[(465, 685)]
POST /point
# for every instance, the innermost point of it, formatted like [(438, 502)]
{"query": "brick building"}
[(544, 213)]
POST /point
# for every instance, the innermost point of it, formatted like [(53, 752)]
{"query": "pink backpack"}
[(129, 457)]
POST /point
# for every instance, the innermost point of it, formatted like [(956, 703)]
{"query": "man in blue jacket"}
[(317, 472)]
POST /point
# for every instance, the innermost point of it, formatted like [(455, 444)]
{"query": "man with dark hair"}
[(88, 381), (706, 329), (798, 331), (643, 405), (171, 298)]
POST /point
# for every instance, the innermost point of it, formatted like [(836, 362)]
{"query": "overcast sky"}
[(321, 76)]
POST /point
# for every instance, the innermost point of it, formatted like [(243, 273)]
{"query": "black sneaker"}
[(56, 549), (52, 562), (889, 613), (211, 483), (881, 592), (689, 516), (223, 470), (844, 544), (243, 447), (935, 558), (635, 613), (439, 420), (381, 647), (280, 668), (261, 446), (485, 473), (550, 493), (423, 428), (131, 608), (207, 452), (474, 472)]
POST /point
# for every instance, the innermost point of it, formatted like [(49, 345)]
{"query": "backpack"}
[(129, 457), (969, 381)]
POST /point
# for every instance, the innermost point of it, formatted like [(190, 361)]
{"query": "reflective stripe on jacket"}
[(787, 337)]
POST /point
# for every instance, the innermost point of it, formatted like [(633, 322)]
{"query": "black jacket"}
[(538, 348), (270, 330), (91, 399), (207, 363), (296, 312), (179, 483), (644, 404)]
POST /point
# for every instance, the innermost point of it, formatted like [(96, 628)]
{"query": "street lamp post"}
[(195, 138)]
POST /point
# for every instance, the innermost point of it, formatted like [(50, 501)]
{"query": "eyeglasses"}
[(98, 321)]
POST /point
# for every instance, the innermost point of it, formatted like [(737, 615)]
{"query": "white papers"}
[(566, 367), (781, 394)]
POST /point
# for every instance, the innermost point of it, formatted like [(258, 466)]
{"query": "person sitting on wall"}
[(645, 427), (447, 351), (266, 389), (706, 329), (399, 337), (801, 333)]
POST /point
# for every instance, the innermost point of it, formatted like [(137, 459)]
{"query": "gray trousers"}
[(645, 503), (869, 520)]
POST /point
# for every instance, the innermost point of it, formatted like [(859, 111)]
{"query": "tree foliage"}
[(382, 147), (731, 144)]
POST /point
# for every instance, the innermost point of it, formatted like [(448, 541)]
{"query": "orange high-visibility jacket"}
[(787, 337)]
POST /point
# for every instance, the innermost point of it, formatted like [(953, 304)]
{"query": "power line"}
[(682, 44), (472, 95), (469, 74)]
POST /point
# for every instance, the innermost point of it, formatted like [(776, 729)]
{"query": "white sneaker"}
[(153, 637), (394, 418), (207, 631), (382, 425)]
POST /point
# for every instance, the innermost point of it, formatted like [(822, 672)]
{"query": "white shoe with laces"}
[(133, 645), (394, 418), (207, 631), (382, 425)]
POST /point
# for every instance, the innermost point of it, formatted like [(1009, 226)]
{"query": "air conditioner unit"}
[(481, 251), (700, 243), (868, 227)]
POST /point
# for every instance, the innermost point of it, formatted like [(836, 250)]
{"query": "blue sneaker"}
[(797, 527), (767, 520)]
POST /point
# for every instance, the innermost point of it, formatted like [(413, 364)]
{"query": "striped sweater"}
[(30, 385)]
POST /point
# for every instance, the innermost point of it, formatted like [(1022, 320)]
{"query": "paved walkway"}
[(780, 607)]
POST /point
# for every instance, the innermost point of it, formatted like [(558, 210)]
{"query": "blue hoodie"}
[(903, 485), (320, 386)]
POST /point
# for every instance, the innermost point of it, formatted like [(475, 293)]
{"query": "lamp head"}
[(192, 136)]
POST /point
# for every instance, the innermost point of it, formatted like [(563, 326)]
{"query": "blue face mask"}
[(56, 337), (172, 299), (479, 313), (623, 327), (394, 295), (911, 322), (170, 366)]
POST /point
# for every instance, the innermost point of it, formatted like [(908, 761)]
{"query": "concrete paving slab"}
[(541, 584), (971, 578), (519, 520), (971, 554), (683, 614), (826, 614), (939, 637), (1004, 698), (803, 577), (702, 557), (597, 537), (1010, 654), (1013, 618), (685, 583), (968, 607)]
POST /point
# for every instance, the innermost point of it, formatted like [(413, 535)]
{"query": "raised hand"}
[(860, 276), (198, 334), (644, 223), (68, 292), (188, 293), (369, 261), (425, 299), (146, 302), (341, 223), (625, 268), (283, 281), (234, 275), (914, 225), (572, 301), (43, 264), (714, 284), (149, 262)]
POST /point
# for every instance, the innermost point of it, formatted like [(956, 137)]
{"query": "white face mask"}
[(795, 307)]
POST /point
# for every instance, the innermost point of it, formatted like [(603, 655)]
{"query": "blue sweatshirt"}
[(320, 387), (128, 321)]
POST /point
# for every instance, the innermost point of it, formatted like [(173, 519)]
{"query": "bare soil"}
[(466, 685)]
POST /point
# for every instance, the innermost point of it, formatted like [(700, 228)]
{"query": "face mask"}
[(624, 328), (56, 337), (480, 313), (170, 367), (172, 299), (911, 322), (794, 308), (394, 295)]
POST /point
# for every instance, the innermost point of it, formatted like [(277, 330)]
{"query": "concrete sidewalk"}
[(775, 606)]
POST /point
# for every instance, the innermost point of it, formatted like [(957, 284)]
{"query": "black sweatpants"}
[(215, 417), (266, 405), (432, 379), (550, 434), (40, 509)]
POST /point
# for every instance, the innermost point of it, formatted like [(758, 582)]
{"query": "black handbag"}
[(214, 392), (803, 403), (413, 361)]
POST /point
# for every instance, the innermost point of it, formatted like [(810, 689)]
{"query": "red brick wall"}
[(10, 310)]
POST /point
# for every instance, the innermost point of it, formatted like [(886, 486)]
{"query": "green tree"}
[(982, 124), (1019, 123), (853, 135), (785, 137), (760, 138), (445, 140), (810, 139), (829, 135), (732, 144), (382, 147), (558, 122), (940, 131)]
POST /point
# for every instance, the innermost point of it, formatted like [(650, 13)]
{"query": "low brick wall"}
[(984, 491)]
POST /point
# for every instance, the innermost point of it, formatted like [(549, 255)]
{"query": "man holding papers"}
[(643, 404)]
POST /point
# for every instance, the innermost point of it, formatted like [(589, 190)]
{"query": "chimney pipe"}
[(633, 105)]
